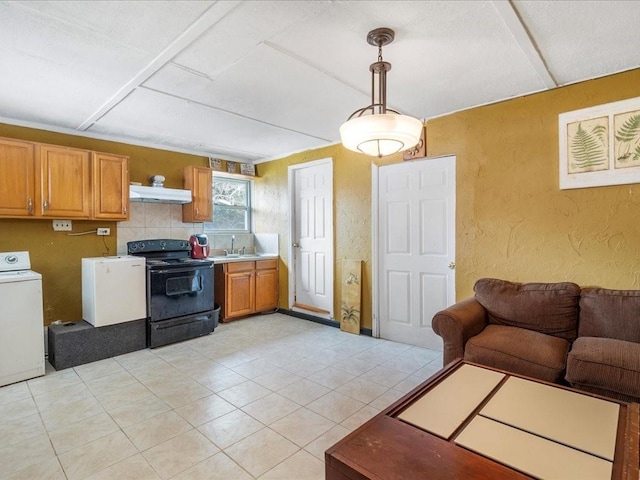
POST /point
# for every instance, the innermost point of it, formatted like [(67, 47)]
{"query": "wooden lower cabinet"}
[(244, 288), (266, 288)]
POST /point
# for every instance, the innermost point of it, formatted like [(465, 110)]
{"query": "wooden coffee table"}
[(473, 422)]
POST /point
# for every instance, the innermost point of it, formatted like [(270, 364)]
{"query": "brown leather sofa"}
[(557, 332)]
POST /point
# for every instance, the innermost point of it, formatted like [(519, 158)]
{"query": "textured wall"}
[(513, 221), (57, 256), (352, 216)]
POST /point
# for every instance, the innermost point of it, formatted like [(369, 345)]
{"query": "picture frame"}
[(600, 145), (215, 164), (248, 169), (231, 167)]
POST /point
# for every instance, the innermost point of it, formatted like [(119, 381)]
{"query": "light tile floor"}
[(262, 397)]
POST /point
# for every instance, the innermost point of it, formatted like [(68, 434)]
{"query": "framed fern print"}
[(588, 147), (600, 145)]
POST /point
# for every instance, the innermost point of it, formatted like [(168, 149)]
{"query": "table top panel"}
[(388, 448), (586, 423), (531, 454), (444, 408)]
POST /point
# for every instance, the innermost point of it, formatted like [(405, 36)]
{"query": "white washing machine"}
[(21, 319)]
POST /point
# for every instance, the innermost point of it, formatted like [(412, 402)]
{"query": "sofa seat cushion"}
[(550, 308), (606, 366), (521, 351)]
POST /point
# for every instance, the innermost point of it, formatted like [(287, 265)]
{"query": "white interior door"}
[(416, 248), (311, 194)]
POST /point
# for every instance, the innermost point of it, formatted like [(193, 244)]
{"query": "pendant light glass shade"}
[(375, 130), (381, 134)]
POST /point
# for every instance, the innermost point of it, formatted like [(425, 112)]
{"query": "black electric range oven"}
[(179, 291)]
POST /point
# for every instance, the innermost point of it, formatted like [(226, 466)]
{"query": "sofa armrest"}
[(456, 324)]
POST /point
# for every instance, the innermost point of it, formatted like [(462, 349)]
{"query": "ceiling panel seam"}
[(315, 66), (523, 38), (318, 68), (208, 19), (229, 112)]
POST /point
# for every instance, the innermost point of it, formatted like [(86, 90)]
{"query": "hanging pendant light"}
[(376, 130)]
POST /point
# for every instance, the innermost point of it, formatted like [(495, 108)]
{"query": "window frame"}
[(208, 226)]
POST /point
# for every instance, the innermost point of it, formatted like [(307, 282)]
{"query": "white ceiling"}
[(251, 80)]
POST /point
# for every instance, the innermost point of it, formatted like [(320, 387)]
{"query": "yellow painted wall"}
[(57, 256), (352, 216), (513, 221)]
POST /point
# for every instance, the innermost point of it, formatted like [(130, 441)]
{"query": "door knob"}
[(295, 245), (452, 265)]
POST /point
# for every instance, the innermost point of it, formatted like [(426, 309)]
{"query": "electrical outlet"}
[(62, 225), (104, 231)]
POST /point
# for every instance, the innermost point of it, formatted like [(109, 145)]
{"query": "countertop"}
[(249, 257)]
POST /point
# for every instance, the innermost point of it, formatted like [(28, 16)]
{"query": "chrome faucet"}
[(231, 252)]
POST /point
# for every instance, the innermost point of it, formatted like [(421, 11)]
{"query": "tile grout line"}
[(243, 344)]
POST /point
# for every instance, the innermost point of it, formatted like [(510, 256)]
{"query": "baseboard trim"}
[(323, 321)]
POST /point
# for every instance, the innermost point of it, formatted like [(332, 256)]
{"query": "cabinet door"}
[(65, 182), (266, 290), (110, 186), (17, 178), (199, 181), (240, 294)]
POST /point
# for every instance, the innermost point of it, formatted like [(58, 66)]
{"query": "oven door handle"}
[(179, 270)]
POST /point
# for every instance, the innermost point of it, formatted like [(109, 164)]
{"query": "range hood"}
[(138, 193)]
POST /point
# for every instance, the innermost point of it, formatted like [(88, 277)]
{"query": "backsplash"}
[(154, 220), (164, 220)]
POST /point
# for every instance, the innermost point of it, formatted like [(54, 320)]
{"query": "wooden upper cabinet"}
[(199, 181), (49, 181), (65, 182), (110, 186), (17, 178)]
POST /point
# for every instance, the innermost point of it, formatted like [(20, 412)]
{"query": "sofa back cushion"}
[(550, 308), (610, 314)]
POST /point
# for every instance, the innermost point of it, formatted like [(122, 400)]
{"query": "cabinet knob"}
[(197, 211), (30, 206), (45, 205), (452, 265), (124, 209)]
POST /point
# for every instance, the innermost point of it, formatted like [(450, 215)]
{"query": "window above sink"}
[(232, 205)]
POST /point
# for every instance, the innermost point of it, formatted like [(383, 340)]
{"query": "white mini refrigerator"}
[(113, 290)]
